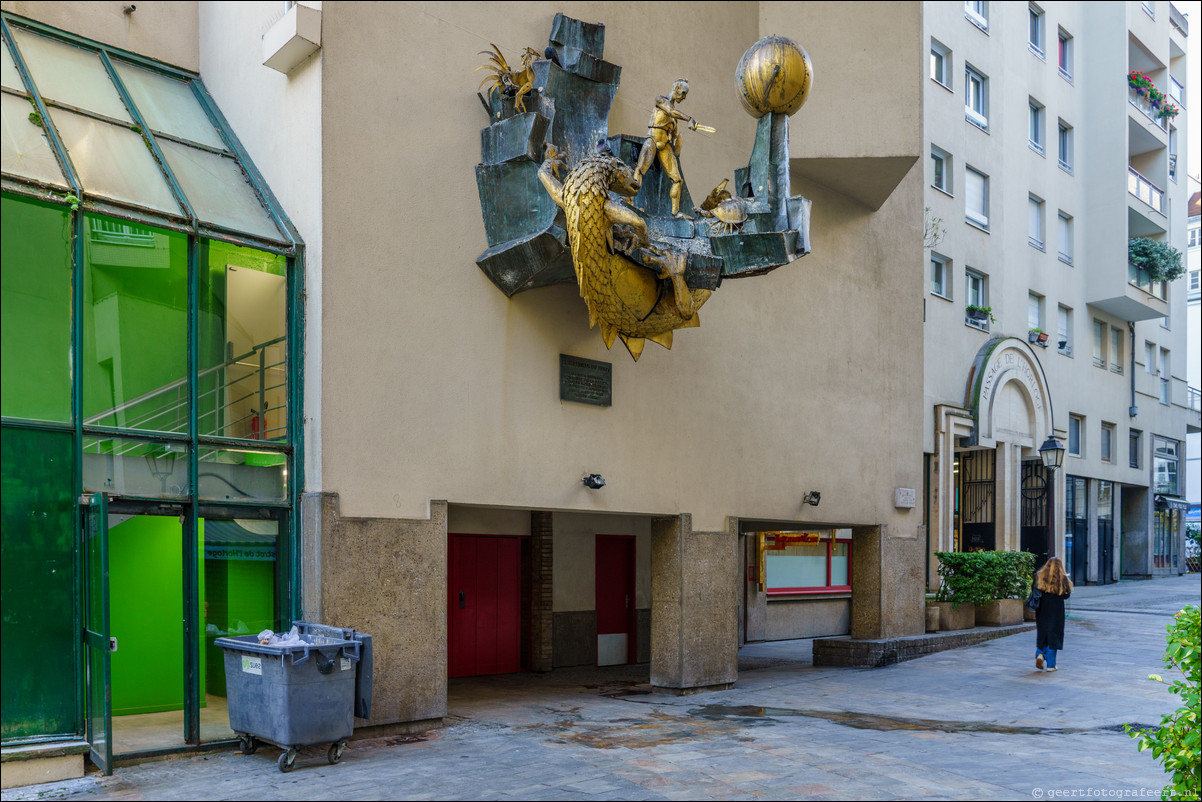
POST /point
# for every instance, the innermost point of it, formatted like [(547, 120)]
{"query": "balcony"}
[(1145, 190), (1144, 104), (1178, 20), (1140, 278)]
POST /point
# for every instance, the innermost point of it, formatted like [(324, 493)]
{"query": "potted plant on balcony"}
[(1037, 336), (1140, 82), (1161, 261), (979, 313)]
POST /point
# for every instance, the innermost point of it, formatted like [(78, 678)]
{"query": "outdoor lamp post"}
[(1052, 454)]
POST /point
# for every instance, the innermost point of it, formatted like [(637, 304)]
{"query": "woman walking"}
[(1055, 586)]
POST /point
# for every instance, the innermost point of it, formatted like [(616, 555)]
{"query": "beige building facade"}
[(1042, 162), (436, 448)]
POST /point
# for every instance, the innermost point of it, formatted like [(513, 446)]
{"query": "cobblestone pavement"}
[(973, 723)]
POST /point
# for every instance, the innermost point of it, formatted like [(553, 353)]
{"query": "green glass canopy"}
[(115, 130)]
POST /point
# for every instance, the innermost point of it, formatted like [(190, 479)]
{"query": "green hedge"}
[(980, 577)]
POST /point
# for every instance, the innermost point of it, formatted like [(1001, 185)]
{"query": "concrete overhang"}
[(869, 180)]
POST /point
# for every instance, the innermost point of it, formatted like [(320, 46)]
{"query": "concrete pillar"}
[(541, 613), (1007, 473), (694, 605), (886, 583), (388, 577)]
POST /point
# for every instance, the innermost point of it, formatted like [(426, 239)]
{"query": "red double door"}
[(484, 604)]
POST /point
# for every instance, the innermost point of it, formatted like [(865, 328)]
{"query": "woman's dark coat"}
[(1049, 621)]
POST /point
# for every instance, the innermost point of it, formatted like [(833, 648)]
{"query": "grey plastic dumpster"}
[(293, 696)]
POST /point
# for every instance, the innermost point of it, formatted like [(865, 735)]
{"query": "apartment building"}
[(1052, 140)]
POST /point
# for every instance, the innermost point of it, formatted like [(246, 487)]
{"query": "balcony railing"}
[(1144, 104), (1195, 399), (1178, 20), (1145, 190)]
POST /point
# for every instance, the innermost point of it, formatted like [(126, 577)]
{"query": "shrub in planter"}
[(983, 577)]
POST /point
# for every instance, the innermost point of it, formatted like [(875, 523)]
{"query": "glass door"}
[(97, 644)]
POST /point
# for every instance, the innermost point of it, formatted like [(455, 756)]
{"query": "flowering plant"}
[(1140, 82)]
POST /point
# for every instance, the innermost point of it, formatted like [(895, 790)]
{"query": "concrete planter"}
[(1000, 613), (952, 618), (932, 618)]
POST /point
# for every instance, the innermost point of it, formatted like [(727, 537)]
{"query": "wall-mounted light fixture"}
[(812, 498), (594, 481)]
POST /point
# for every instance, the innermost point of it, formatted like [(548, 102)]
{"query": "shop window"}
[(806, 562), (1164, 539), (1164, 465)]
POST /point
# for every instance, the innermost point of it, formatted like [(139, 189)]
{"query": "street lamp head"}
[(1052, 453)]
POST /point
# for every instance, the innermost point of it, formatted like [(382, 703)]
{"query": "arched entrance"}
[(988, 488)]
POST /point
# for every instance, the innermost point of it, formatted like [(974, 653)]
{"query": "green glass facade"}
[(148, 329)]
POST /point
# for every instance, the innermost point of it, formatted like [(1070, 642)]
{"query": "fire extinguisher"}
[(256, 426)]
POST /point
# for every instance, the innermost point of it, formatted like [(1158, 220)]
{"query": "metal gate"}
[(977, 501), (1076, 528), (1034, 532)]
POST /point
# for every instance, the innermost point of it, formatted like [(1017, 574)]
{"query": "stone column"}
[(886, 583), (540, 592), (1007, 482), (694, 605)]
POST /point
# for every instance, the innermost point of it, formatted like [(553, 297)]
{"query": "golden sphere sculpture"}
[(775, 74)]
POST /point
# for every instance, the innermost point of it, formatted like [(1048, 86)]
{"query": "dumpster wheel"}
[(287, 761), (248, 744), (334, 755)]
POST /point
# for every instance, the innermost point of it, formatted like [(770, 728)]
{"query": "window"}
[(1065, 59), (1035, 222), (1074, 435), (1173, 153), (1150, 8), (1107, 441), (977, 12), (1064, 330), (1035, 29), (1165, 377), (1116, 350), (1064, 238), (976, 294), (1195, 284), (807, 562), (941, 169), (1034, 311), (1099, 344), (1134, 448), (1035, 128), (941, 64), (1195, 237), (976, 197), (1164, 465), (1064, 146), (939, 275), (976, 98)]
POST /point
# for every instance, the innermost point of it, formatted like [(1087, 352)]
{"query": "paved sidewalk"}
[(974, 723)]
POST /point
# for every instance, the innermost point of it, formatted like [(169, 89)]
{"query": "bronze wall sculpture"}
[(563, 200)]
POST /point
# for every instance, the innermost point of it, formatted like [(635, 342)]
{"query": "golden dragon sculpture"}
[(634, 289)]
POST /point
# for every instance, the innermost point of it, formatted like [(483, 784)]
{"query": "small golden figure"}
[(505, 79), (728, 212), (663, 139)]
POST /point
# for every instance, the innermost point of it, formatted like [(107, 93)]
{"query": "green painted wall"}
[(147, 612)]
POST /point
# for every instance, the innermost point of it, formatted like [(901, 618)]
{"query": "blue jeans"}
[(1049, 656)]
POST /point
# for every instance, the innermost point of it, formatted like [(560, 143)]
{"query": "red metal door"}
[(484, 605), (615, 599)]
